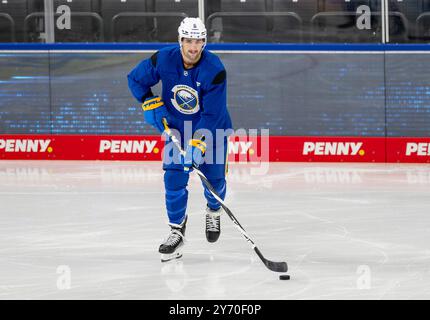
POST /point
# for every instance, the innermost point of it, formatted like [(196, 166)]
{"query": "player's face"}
[(192, 50)]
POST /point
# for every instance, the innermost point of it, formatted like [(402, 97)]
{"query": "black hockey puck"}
[(284, 277)]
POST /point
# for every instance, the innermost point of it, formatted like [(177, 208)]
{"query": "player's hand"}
[(154, 112), (193, 154)]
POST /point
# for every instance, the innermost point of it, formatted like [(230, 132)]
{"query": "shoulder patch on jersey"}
[(154, 59), (219, 78)]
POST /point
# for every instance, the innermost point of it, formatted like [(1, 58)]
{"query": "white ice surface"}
[(91, 230)]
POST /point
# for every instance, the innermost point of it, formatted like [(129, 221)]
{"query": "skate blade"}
[(169, 257)]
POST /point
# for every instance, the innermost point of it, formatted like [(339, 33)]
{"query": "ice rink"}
[(91, 230)]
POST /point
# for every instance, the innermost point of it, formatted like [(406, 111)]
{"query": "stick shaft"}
[(274, 266)]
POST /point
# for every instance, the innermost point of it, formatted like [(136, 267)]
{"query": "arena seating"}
[(121, 27), (227, 20), (240, 21), (87, 25), (170, 13), (12, 14), (284, 28)]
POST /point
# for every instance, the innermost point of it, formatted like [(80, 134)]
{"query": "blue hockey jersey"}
[(198, 94)]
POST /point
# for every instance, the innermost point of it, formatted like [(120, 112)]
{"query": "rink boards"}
[(241, 148), (322, 103)]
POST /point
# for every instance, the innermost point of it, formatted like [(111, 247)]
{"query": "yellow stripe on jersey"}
[(152, 104), (199, 144)]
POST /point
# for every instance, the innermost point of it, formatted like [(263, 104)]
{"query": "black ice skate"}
[(213, 224), (171, 248)]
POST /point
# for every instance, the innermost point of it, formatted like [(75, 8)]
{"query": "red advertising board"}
[(412, 150), (327, 149), (241, 148), (74, 147)]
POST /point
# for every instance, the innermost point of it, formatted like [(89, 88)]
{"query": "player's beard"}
[(191, 59)]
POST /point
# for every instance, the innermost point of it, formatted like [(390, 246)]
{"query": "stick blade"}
[(276, 266), (272, 265)]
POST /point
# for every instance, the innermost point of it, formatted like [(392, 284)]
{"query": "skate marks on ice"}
[(91, 230)]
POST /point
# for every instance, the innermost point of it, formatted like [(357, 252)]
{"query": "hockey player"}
[(193, 92)]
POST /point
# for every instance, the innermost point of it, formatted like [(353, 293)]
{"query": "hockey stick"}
[(271, 265)]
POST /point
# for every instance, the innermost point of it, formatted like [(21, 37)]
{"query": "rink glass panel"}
[(293, 94), (307, 93), (90, 94), (283, 95), (408, 94), (24, 93)]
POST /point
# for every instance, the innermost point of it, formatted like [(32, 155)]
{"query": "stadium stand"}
[(87, 25), (423, 22), (227, 20), (415, 12), (170, 13), (12, 14), (285, 28), (122, 21), (423, 27), (337, 23), (240, 21)]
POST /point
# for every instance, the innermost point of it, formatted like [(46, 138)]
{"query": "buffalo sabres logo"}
[(185, 99)]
